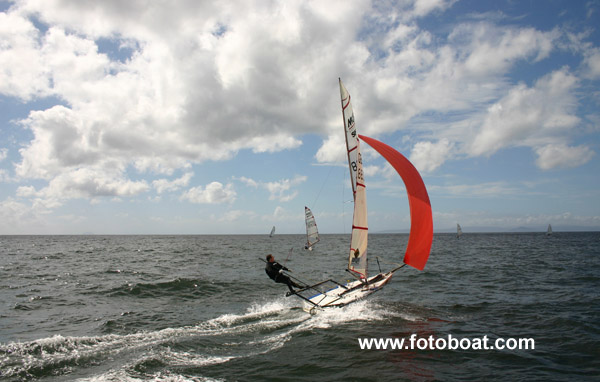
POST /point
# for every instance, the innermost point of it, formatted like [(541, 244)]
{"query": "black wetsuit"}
[(273, 270)]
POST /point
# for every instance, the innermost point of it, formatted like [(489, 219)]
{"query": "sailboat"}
[(330, 293), (312, 233), (549, 230), (272, 232), (458, 231)]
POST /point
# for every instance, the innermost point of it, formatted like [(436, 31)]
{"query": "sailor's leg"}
[(283, 279), (289, 284)]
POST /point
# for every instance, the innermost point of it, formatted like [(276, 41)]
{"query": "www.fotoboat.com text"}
[(446, 343)]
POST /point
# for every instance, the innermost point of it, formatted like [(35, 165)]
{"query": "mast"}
[(350, 134), (357, 259)]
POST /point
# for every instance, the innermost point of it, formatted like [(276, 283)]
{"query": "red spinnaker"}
[(421, 222)]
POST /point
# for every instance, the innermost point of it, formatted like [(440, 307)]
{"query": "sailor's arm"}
[(281, 268)]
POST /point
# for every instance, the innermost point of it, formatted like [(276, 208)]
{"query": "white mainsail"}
[(357, 259), (312, 233), (272, 232), (458, 230), (549, 230)]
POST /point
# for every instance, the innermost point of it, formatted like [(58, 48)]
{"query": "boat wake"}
[(173, 353)]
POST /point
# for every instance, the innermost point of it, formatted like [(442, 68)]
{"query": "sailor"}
[(274, 270), (356, 259)]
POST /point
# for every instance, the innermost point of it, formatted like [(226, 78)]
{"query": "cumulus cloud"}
[(591, 63), (22, 70), (60, 142), (86, 182), (213, 193), (491, 50), (152, 107), (149, 107), (280, 190), (529, 116), (423, 7), (26, 191), (165, 185), (15, 215), (561, 155), (418, 80), (428, 156), (333, 149), (156, 88), (89, 182), (249, 182)]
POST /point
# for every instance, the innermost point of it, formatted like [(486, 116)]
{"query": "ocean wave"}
[(262, 328), (160, 376), (181, 287)]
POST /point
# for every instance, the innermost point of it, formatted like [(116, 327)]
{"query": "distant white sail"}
[(549, 231), (458, 230), (272, 232), (312, 233)]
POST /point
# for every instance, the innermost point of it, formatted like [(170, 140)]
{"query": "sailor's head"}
[(356, 253), (270, 258)]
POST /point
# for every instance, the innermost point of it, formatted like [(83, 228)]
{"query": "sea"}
[(201, 308)]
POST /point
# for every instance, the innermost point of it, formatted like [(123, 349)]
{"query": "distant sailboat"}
[(312, 233), (458, 231), (330, 293), (272, 232), (549, 230)]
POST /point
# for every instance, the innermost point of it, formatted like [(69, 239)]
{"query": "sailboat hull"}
[(341, 295)]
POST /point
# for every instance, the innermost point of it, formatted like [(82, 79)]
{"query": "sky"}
[(224, 117)]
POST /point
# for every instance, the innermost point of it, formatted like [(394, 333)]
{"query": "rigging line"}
[(309, 283), (322, 186), (389, 262), (288, 256)]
